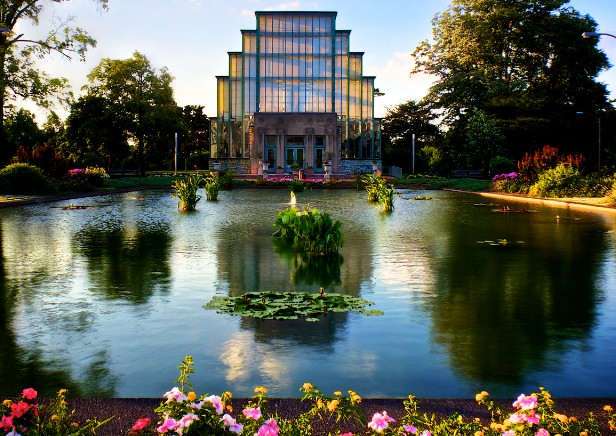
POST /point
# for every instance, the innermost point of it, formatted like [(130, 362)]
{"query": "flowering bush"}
[(185, 414), (82, 180), (25, 416), (290, 182), (507, 182)]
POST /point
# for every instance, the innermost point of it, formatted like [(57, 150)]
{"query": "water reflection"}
[(310, 270), (129, 262), (75, 286), (505, 311)]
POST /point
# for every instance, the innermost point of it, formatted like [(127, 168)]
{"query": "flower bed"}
[(182, 412)]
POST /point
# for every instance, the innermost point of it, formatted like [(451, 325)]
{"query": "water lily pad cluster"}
[(289, 305)]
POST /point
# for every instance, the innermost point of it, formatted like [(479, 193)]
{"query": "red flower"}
[(29, 394), (140, 424), (6, 423), (19, 409)]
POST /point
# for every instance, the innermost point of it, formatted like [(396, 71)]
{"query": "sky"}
[(192, 37)]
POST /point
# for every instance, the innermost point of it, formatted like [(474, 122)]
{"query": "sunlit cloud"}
[(394, 79), (244, 359)]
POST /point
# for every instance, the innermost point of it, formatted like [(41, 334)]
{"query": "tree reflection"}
[(127, 262), (323, 271), (505, 311)]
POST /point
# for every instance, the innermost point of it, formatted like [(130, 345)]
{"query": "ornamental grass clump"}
[(186, 191)]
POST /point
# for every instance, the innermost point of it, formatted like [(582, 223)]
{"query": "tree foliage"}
[(142, 96), (399, 125), (523, 62), (19, 77)]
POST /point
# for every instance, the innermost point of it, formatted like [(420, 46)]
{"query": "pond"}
[(105, 299)]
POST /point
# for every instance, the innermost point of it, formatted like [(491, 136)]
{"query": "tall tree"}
[(399, 125), (95, 126), (19, 77), (523, 62), (139, 92), (198, 125)]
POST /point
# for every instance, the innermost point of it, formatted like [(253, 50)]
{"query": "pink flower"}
[(168, 424), (29, 394), (533, 419), (174, 395), (216, 402), (252, 413), (231, 423), (509, 433), (542, 432), (380, 421), (140, 424), (266, 430), (410, 428), (525, 403), (272, 424), (20, 409), (187, 419), (6, 423), (426, 433), (346, 434), (517, 418)]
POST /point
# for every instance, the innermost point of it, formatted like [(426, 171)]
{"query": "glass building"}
[(296, 96)]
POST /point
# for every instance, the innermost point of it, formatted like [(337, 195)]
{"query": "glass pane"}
[(300, 156), (289, 157)]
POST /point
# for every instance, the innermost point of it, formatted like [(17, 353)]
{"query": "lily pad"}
[(289, 305)]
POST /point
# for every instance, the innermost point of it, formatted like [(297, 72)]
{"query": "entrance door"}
[(270, 158), (295, 150)]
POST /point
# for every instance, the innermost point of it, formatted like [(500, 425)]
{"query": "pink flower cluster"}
[(526, 414), (505, 176)]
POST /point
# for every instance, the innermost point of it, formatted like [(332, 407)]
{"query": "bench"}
[(476, 174), (122, 172)]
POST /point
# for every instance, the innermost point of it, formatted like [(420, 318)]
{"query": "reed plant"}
[(186, 191), (212, 185), (310, 229)]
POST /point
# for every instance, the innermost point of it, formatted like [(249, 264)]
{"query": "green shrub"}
[(24, 179), (611, 195), (97, 176), (226, 179), (297, 186), (199, 160), (559, 182), (91, 159), (500, 165)]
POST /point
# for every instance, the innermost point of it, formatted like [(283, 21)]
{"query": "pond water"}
[(106, 300)]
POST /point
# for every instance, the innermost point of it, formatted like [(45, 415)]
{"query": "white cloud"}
[(395, 81)]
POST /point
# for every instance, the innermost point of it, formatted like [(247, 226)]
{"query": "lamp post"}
[(591, 34), (598, 120)]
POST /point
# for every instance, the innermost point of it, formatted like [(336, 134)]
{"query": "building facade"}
[(296, 96)]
